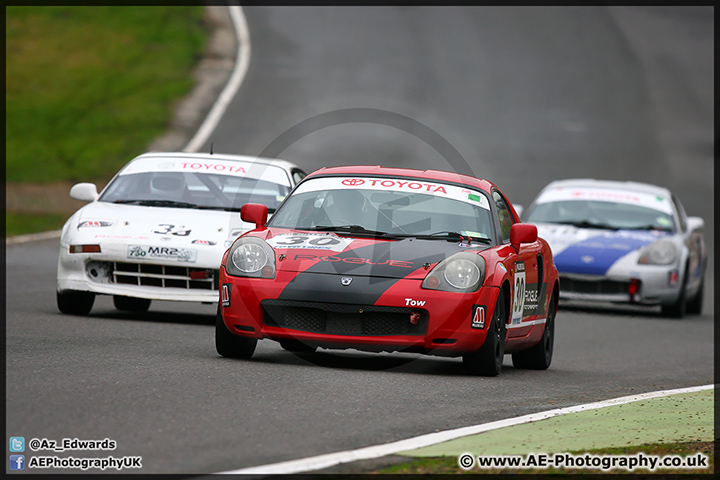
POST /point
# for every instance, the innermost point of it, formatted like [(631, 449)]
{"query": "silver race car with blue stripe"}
[(622, 242)]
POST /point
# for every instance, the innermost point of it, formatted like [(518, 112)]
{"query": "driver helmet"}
[(167, 184), (345, 203)]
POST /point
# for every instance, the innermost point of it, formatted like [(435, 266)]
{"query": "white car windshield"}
[(603, 207), (600, 214), (193, 190), (387, 206)]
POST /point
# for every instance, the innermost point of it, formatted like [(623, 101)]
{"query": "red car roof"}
[(377, 170)]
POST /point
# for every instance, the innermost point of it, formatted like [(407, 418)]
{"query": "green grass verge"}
[(25, 223), (434, 465), (88, 88)]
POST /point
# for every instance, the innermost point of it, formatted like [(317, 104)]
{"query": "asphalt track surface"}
[(520, 96)]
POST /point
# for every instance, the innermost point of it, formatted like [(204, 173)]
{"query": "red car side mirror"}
[(522, 233), (254, 213)]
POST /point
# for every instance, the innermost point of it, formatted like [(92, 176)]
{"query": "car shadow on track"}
[(623, 310), (156, 317), (159, 312), (373, 362)]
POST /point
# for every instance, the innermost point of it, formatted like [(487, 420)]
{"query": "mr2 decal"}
[(167, 253)]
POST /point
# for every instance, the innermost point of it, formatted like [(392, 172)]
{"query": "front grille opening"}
[(341, 319), (153, 269), (245, 328), (180, 271), (602, 287), (165, 276), (152, 282), (127, 267)]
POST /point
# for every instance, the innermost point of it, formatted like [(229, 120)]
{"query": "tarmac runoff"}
[(668, 416)]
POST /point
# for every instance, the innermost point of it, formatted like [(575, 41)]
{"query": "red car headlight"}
[(251, 257), (463, 272)]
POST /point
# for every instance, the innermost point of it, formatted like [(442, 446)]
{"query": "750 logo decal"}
[(168, 253)]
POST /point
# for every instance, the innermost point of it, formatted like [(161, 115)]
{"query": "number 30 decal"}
[(307, 240), (297, 240), (519, 297)]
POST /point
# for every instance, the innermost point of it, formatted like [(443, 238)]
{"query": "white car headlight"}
[(662, 252), (463, 272), (251, 257)]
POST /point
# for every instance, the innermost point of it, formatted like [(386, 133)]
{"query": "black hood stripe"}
[(383, 264)]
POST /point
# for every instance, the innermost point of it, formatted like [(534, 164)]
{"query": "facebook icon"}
[(17, 462)]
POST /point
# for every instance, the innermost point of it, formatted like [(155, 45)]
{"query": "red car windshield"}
[(395, 207)]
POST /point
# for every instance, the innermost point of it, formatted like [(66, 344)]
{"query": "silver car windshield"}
[(600, 214), (396, 213), (193, 190)]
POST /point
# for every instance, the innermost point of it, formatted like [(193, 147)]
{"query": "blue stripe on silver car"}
[(595, 255)]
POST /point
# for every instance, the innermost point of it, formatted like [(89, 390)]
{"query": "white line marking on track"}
[(331, 459), (241, 66)]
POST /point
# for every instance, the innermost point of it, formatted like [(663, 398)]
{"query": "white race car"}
[(622, 242), (159, 229)]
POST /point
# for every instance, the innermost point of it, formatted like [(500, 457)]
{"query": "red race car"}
[(387, 259)]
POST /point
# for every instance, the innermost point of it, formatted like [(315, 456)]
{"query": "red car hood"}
[(320, 252)]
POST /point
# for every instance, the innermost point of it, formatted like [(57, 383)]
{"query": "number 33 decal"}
[(167, 229)]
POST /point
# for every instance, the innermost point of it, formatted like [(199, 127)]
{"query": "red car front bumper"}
[(448, 323)]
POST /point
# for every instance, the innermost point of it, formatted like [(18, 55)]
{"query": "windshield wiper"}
[(176, 204), (588, 224), (450, 236), (648, 227), (351, 229), (159, 203)]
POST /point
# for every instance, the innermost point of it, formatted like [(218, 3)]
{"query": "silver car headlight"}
[(662, 252), (463, 272), (251, 257)]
